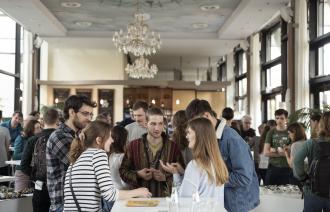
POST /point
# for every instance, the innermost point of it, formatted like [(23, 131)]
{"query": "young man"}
[(37, 156), (140, 166), (14, 126), (279, 172), (139, 127), (77, 114), (242, 188)]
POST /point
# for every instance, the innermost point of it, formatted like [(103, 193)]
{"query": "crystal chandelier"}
[(141, 69), (138, 40)]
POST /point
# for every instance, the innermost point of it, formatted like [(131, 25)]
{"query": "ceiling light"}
[(71, 4), (209, 7), (144, 16), (200, 25), (83, 23), (141, 69), (138, 40)]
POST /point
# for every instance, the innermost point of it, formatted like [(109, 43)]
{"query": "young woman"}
[(297, 136), (179, 122), (313, 149), (31, 128), (88, 177), (118, 138), (207, 172)]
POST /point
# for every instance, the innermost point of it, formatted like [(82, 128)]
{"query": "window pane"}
[(272, 105), (324, 98), (242, 105), (243, 69), (7, 63), (8, 27), (274, 77), (7, 87), (270, 108), (323, 17), (273, 45), (242, 87), (7, 46), (324, 62)]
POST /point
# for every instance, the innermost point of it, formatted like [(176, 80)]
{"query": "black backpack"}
[(319, 170), (38, 162)]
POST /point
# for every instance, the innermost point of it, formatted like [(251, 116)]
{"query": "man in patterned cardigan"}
[(140, 166)]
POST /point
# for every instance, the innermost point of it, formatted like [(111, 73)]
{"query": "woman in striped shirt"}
[(88, 177)]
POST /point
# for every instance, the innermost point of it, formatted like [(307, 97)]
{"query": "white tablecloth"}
[(268, 203)]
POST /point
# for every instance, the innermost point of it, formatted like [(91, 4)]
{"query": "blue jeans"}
[(313, 203)]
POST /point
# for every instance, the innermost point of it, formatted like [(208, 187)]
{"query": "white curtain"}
[(301, 55)]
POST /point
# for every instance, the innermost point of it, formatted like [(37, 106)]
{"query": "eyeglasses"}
[(86, 113)]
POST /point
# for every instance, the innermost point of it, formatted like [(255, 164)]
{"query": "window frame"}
[(318, 83), (238, 52), (265, 65), (17, 74)]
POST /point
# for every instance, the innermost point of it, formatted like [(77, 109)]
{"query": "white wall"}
[(254, 81), (80, 59)]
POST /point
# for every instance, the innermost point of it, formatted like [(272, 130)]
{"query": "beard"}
[(78, 124)]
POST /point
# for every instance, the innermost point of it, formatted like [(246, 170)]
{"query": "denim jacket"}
[(242, 188)]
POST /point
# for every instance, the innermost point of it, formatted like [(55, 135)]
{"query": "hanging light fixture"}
[(138, 40), (140, 69)]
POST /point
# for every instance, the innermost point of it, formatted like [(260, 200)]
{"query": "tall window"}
[(222, 70), (10, 65), (273, 68), (319, 33), (241, 80)]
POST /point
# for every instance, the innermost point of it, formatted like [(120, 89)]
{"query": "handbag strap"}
[(73, 195)]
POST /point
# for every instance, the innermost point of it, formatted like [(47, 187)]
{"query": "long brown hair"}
[(325, 125), (29, 128), (263, 138), (206, 150), (88, 137), (298, 131), (180, 124)]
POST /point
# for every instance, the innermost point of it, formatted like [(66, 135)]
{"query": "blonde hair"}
[(206, 151), (87, 138)]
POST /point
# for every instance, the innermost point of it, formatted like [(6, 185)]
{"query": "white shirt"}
[(196, 179), (135, 131), (115, 160)]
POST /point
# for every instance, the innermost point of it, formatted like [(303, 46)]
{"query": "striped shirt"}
[(91, 180)]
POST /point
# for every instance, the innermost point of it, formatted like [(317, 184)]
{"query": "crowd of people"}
[(76, 163)]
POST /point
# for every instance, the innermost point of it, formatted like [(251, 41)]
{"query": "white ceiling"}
[(173, 19)]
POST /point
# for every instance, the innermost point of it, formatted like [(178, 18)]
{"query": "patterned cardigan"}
[(136, 158)]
